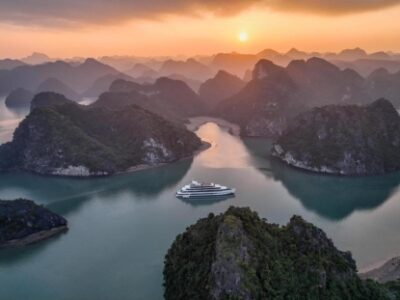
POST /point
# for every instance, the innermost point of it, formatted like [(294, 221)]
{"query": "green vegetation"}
[(69, 139), (260, 260), (350, 140), (22, 218)]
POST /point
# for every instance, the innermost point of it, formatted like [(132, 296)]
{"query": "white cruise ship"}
[(204, 190)]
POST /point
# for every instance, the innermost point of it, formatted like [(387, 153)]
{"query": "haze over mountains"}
[(260, 92), (275, 94), (205, 66), (239, 63), (78, 77), (170, 98)]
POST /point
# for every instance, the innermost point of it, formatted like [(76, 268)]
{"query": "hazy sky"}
[(64, 28)]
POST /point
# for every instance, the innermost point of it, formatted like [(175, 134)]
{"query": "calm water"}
[(121, 227)]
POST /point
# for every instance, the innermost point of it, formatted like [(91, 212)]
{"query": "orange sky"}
[(181, 34)]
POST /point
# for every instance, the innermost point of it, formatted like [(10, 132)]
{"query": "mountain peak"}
[(224, 74), (49, 99), (91, 61), (268, 53), (353, 53), (295, 52), (321, 63), (244, 254), (36, 58), (379, 72), (266, 68), (383, 104)]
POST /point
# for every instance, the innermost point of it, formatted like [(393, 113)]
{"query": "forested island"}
[(343, 140), (238, 255), (23, 222), (60, 137)]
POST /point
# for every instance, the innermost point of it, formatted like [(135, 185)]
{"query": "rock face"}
[(19, 98), (324, 83), (73, 140), (237, 255), (222, 86), (268, 103), (23, 222), (345, 140)]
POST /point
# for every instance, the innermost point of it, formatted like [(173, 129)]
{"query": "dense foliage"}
[(21, 218), (98, 141), (349, 140), (48, 99), (296, 261)]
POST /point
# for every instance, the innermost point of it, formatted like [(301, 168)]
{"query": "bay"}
[(122, 226)]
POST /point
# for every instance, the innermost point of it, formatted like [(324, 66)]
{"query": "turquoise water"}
[(121, 227)]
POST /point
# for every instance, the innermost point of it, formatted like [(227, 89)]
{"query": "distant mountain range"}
[(103, 83), (190, 68), (275, 94), (55, 85), (261, 92), (356, 59), (78, 77), (36, 58), (170, 98), (9, 64)]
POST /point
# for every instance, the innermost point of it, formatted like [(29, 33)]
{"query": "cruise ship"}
[(204, 190)]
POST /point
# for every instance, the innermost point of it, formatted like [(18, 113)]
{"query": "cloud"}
[(332, 7), (75, 12)]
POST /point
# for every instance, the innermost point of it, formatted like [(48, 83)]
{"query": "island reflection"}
[(331, 197), (64, 195)]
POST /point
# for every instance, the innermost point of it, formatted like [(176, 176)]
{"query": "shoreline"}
[(194, 124), (142, 167), (204, 146), (34, 238), (197, 122)]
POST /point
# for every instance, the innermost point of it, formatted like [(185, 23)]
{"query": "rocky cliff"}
[(74, 140), (238, 255), (268, 103), (345, 140), (23, 222)]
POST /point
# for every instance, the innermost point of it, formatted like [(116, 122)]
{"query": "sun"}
[(243, 36)]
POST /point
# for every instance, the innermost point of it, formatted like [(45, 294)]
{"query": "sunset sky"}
[(66, 28)]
